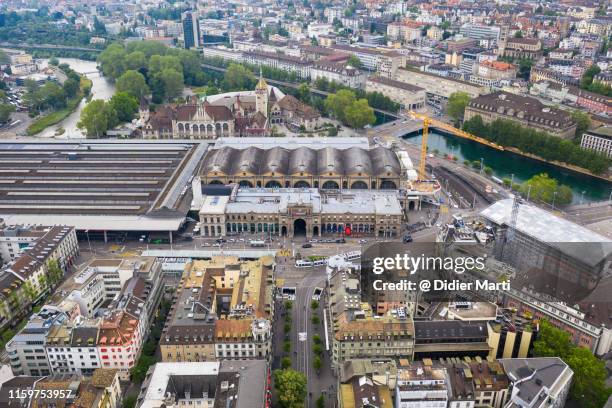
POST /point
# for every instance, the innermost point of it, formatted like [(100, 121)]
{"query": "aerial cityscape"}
[(305, 204)]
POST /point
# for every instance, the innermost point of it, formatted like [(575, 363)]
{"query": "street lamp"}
[(553, 203), (528, 192), (481, 164), (582, 197), (511, 181)]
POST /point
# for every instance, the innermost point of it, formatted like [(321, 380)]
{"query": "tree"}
[(53, 61), (135, 61), (359, 113), (124, 105), (54, 272), (583, 122), (303, 93), (286, 346), (132, 82), (314, 305), (317, 363), (518, 34), (29, 290), (112, 61), (129, 401), (457, 102), (285, 363), (317, 349), (291, 387), (320, 402), (587, 77), (337, 103), (589, 382), (588, 387), (543, 188), (159, 63), (173, 82), (97, 117), (315, 320), (5, 112), (354, 61), (139, 371), (238, 78), (71, 87)]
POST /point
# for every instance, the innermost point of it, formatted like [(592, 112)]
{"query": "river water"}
[(504, 164), (101, 89)]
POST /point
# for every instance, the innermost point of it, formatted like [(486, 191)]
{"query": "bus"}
[(301, 263), (351, 256), (257, 244)]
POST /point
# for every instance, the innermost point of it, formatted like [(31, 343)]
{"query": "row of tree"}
[(99, 116), (375, 99), (348, 109), (528, 140)]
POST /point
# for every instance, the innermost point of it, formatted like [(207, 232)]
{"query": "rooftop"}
[(83, 183), (567, 236)]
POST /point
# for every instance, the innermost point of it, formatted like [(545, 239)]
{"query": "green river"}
[(504, 164)]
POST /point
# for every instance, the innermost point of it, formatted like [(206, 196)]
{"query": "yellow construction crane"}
[(422, 171)]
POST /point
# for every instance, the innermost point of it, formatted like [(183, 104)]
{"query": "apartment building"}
[(538, 382), (407, 31), (490, 73), (26, 350), (338, 72), (385, 62), (408, 96), (120, 338), (206, 384), (26, 277), (422, 386), (357, 331), (100, 390), (72, 348), (228, 54), (436, 87), (99, 282), (222, 310), (285, 62)]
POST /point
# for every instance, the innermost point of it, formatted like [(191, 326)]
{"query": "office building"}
[(599, 139), (526, 111), (191, 30)]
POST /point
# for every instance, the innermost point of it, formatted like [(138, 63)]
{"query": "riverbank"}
[(511, 165), (566, 166), (577, 169), (56, 117)]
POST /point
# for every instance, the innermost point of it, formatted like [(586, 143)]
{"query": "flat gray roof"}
[(569, 237), (98, 185)]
